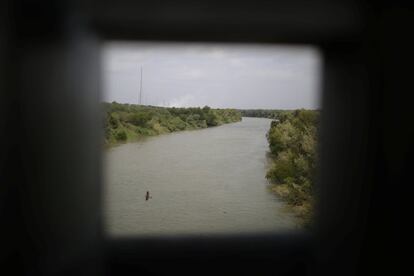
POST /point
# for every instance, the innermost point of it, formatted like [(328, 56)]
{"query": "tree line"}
[(125, 122), (292, 140), (263, 113)]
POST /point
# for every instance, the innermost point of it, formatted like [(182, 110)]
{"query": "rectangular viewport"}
[(205, 138)]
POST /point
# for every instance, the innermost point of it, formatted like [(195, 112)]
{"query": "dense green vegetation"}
[(126, 122), (292, 140), (263, 113)]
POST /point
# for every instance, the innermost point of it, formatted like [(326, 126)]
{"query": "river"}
[(202, 182)]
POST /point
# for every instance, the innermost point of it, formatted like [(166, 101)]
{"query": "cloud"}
[(191, 74), (183, 101)]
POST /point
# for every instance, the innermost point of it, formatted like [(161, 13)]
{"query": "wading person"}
[(147, 196)]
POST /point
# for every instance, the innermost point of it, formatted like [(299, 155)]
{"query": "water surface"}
[(202, 182)]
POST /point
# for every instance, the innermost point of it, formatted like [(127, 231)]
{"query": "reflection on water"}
[(201, 182)]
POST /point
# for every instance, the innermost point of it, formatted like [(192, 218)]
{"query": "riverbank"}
[(128, 122), (293, 157)]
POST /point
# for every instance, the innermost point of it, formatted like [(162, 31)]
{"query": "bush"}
[(292, 142), (124, 121), (121, 135)]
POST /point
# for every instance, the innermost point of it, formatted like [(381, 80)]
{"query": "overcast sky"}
[(217, 75)]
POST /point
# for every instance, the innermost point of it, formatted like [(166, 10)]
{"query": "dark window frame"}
[(51, 50)]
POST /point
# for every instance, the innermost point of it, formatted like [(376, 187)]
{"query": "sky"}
[(218, 75)]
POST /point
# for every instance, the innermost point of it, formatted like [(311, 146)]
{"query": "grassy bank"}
[(292, 141), (128, 122)]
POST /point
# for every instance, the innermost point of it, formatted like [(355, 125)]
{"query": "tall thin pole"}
[(140, 89)]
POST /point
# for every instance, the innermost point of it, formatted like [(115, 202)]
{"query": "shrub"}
[(292, 141), (121, 135), (124, 121)]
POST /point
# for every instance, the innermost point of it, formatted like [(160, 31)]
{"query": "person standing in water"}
[(147, 196)]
